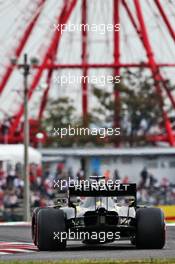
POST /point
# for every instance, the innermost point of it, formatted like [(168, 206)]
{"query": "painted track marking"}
[(16, 247)]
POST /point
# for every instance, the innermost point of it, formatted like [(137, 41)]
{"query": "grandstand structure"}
[(145, 40)]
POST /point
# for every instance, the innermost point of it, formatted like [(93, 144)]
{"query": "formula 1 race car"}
[(98, 214)]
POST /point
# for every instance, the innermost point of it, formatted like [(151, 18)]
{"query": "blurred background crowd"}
[(43, 193)]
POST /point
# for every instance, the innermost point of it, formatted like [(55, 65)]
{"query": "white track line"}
[(170, 224), (15, 250), (15, 243), (15, 224), (5, 253), (29, 224)]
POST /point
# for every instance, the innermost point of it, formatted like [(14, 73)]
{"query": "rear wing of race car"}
[(106, 190)]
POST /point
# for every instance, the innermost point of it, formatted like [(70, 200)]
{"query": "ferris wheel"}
[(146, 39)]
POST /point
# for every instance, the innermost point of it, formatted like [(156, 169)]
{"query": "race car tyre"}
[(150, 225), (50, 226), (34, 224)]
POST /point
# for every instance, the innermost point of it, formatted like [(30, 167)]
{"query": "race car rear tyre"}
[(50, 225), (150, 232), (34, 224)]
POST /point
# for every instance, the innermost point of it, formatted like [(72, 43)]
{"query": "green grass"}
[(144, 261)]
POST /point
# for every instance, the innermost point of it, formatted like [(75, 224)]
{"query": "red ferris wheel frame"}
[(48, 62)]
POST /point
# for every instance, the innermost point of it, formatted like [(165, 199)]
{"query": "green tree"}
[(59, 113), (140, 106)]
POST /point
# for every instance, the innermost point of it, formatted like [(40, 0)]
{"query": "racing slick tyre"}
[(150, 233), (34, 224), (50, 224)]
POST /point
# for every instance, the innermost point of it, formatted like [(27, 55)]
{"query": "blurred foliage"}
[(60, 113), (140, 107), (140, 112)]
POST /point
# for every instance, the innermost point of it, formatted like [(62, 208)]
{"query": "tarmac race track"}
[(23, 249)]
